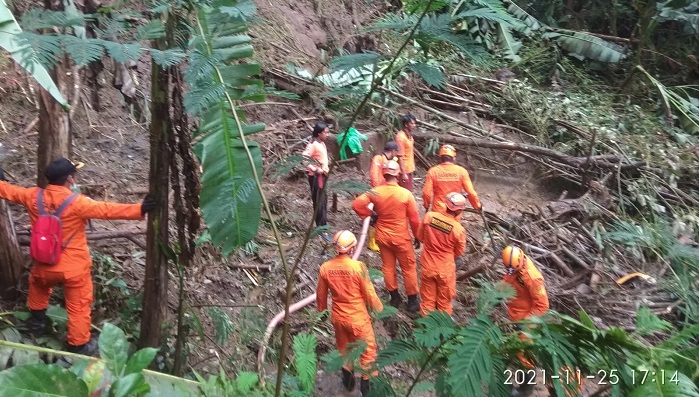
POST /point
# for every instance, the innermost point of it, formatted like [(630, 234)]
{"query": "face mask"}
[(75, 188), (509, 270)]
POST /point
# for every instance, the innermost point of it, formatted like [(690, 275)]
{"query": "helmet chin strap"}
[(509, 270)]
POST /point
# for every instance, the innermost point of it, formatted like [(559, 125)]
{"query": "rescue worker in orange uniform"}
[(390, 150), (317, 172), (352, 291), (73, 269), (395, 211), (444, 178), (443, 240), (530, 296), (406, 155)]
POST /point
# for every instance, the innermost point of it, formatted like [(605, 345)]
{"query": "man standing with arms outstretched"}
[(445, 178), (406, 155), (74, 264), (395, 211), (352, 292)]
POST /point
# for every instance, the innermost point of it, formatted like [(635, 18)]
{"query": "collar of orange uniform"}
[(408, 134), (57, 188)]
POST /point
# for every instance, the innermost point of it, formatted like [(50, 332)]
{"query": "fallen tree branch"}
[(601, 161), (23, 236)]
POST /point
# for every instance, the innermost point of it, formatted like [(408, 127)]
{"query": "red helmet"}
[(391, 168), (343, 241), (456, 201)]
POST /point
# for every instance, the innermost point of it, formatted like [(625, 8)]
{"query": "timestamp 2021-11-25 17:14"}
[(601, 377)]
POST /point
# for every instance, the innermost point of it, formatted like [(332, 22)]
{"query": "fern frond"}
[(381, 387), (471, 363), (305, 360), (83, 51), (242, 10), (489, 14), (154, 29), (245, 381), (286, 164), (497, 386), (431, 74), (491, 295), (395, 22), (683, 388), (282, 94), (434, 329), (223, 326), (399, 350), (509, 44), (122, 53), (109, 27), (353, 61), (334, 361), (524, 16), (39, 18), (204, 96), (648, 323), (348, 187), (46, 49), (167, 58)]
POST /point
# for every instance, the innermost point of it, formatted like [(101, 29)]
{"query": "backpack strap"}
[(40, 202), (60, 210)]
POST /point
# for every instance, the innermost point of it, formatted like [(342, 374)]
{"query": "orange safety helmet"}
[(456, 201), (513, 257), (344, 241), (391, 168), (447, 150)]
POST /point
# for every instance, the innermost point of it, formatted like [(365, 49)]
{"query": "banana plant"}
[(9, 32), (219, 76)]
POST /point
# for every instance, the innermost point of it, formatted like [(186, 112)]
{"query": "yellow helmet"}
[(456, 201), (391, 168), (447, 150), (513, 257), (343, 241)]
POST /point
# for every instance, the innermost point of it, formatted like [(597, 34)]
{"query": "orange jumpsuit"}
[(73, 269), (351, 290), (443, 179), (396, 209), (443, 239), (530, 298), (407, 155), (376, 170)]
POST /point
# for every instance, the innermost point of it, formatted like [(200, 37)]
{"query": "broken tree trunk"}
[(602, 161)]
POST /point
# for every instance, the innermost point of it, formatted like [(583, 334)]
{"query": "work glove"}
[(374, 218), (2, 175), (416, 244), (148, 204)]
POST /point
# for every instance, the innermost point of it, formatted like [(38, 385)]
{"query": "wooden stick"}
[(267, 268), (554, 258), (575, 258)]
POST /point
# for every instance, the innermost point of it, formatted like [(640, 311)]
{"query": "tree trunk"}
[(11, 258), (156, 280), (54, 121)]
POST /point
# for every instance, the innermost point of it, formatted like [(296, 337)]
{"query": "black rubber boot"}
[(396, 300), (413, 303), (88, 349), (364, 387), (348, 379), (36, 324)]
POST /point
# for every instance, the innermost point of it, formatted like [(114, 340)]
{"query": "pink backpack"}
[(46, 242)]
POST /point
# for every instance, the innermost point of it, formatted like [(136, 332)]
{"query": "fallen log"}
[(601, 161), (23, 236)]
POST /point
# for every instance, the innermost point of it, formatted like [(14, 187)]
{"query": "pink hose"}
[(302, 303)]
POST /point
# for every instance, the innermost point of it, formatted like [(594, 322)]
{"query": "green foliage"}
[(223, 326), (9, 33), (305, 361), (680, 100), (490, 296), (219, 76), (648, 323), (584, 45), (42, 380), (244, 385), (349, 188), (666, 388)]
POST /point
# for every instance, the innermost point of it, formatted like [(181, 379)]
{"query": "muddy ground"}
[(115, 149)]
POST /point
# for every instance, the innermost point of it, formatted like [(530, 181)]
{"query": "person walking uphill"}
[(445, 178), (71, 259), (443, 240), (390, 150), (406, 156), (352, 291), (317, 172), (395, 211)]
